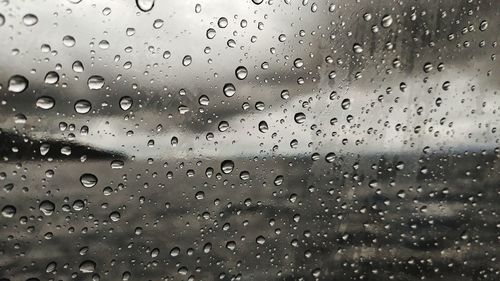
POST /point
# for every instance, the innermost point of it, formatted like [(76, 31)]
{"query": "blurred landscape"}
[(362, 143)]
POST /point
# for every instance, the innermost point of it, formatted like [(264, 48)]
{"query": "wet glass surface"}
[(249, 140)]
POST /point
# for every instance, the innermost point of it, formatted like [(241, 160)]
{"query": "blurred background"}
[(249, 139)]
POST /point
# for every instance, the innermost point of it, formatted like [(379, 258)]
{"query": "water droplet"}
[(357, 48), (231, 245), (387, 21), (260, 240), (367, 17), (197, 8), (117, 164), (257, 2), (200, 195), (51, 77), (88, 180), (87, 266), (126, 103), (330, 157), (2, 20), (187, 60), (145, 5), (69, 41), (175, 252), (20, 118), (45, 102), (346, 103), (227, 166), (9, 211), (77, 66), (183, 109), (298, 63), (18, 84), (483, 25), (245, 175), (204, 100), (231, 43), (222, 22), (285, 94), (428, 67), (47, 207), (263, 127), (30, 19), (229, 90), (115, 216), (158, 23), (95, 82), (83, 106), (155, 252), (279, 180), (211, 33), (241, 72), (300, 118), (223, 126)]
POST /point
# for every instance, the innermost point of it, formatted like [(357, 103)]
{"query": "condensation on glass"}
[(249, 140)]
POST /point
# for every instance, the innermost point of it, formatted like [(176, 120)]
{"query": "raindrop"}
[(241, 72), (482, 26), (357, 48), (229, 90), (69, 41), (30, 19), (263, 127), (387, 21), (175, 252), (227, 166), (187, 60), (145, 5), (231, 245), (77, 66), (20, 118), (47, 207), (115, 216), (9, 211), (330, 157), (245, 175), (197, 8), (203, 100), (346, 103), (18, 84), (260, 240), (300, 118), (222, 23), (88, 180), (223, 126), (158, 23), (83, 106), (126, 103), (95, 82), (298, 63), (51, 77), (211, 33), (87, 266), (116, 164), (279, 180), (183, 109), (45, 102)]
